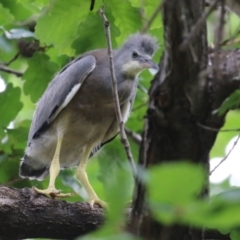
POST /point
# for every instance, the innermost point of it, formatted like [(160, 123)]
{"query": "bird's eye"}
[(134, 54)]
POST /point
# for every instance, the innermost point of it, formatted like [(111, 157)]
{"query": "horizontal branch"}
[(25, 214), (134, 136), (6, 69)]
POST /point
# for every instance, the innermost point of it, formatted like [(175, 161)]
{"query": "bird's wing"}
[(59, 93)]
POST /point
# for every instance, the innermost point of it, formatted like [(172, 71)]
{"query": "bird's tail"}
[(32, 171)]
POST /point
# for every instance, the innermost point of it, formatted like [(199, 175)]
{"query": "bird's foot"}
[(53, 192), (99, 202)]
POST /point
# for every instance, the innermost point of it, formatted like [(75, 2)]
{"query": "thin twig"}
[(142, 88), (234, 145), (123, 135), (231, 42), (197, 26), (13, 59), (3, 68), (216, 73), (152, 18), (139, 106), (134, 136), (217, 129), (230, 39), (10, 183)]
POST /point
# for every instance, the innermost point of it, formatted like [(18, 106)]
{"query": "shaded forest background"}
[(39, 37)]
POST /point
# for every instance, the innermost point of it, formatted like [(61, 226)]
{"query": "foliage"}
[(232, 102), (55, 31)]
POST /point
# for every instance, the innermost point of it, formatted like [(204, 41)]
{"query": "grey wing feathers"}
[(59, 92)]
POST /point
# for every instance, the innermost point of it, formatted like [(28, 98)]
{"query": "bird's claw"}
[(99, 202), (53, 193)]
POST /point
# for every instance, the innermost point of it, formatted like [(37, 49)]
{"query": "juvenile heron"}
[(75, 116)]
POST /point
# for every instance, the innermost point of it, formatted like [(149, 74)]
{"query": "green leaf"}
[(17, 137), (222, 210), (118, 191), (5, 16), (9, 167), (38, 74), (172, 188), (223, 138), (124, 16), (218, 212), (20, 11), (235, 234), (118, 194), (87, 32), (59, 23), (10, 104), (232, 102), (119, 236), (169, 180)]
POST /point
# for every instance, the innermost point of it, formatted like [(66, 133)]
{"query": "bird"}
[(75, 116)]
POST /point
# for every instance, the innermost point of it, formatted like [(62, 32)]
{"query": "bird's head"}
[(136, 54)]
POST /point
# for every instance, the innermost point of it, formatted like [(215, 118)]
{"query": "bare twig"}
[(13, 59), (134, 136), (142, 88), (123, 135), (217, 129), (3, 68), (139, 106), (16, 180), (198, 26), (150, 21), (216, 73), (234, 145), (230, 40)]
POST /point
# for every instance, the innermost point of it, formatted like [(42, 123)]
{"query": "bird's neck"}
[(125, 72)]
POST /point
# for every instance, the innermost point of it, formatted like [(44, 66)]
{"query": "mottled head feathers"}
[(144, 42)]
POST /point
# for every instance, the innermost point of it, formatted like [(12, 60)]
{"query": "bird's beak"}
[(148, 63), (153, 65)]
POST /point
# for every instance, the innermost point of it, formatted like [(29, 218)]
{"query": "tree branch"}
[(134, 136), (25, 214), (152, 18), (123, 135), (9, 70)]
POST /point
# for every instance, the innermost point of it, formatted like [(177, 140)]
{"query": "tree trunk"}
[(182, 99)]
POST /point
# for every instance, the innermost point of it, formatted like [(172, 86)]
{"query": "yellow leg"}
[(53, 172), (83, 178)]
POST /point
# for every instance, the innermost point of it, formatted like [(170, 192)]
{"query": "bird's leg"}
[(53, 172), (83, 178)]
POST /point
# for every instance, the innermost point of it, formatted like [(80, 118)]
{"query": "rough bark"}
[(182, 97), (23, 214)]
